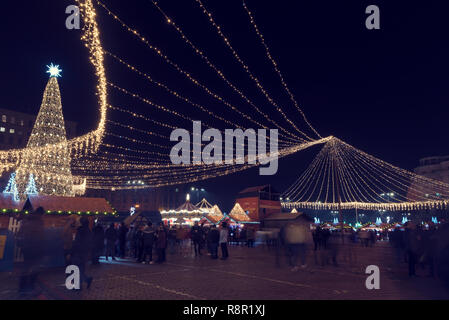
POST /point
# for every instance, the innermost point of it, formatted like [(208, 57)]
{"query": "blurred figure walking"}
[(161, 243), (111, 238), (98, 243), (32, 240), (122, 232), (224, 233), (296, 235), (81, 250), (213, 238), (148, 242)]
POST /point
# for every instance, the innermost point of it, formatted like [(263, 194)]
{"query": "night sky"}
[(383, 91)]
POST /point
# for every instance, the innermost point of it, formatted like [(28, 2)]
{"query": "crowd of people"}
[(427, 248), (414, 244), (84, 243)]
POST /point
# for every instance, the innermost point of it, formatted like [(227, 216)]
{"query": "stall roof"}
[(7, 202), (287, 216), (68, 204), (253, 189), (238, 214)]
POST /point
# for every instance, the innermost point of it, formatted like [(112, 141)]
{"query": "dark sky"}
[(383, 91)]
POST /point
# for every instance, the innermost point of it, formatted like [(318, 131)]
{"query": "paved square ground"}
[(249, 274)]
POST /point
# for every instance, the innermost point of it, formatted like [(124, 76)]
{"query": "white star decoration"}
[(54, 71)]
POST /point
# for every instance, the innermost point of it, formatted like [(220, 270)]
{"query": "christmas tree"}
[(31, 186), (50, 166), (11, 188)]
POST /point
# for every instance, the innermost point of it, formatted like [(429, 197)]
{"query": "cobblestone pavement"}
[(249, 274)]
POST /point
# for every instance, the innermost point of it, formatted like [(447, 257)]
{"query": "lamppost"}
[(198, 190), (387, 196)]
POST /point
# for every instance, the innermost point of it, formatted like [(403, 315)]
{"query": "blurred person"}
[(325, 234), (243, 237), (31, 239), (213, 239), (161, 243), (251, 236), (196, 234), (130, 242), (121, 235), (364, 238), (148, 243), (413, 247), (98, 243), (333, 246), (81, 250), (397, 242), (296, 235), (172, 240), (316, 235), (67, 237), (429, 245), (140, 248), (224, 233), (111, 238)]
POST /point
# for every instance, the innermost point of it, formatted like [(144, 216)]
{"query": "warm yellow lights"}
[(344, 176)]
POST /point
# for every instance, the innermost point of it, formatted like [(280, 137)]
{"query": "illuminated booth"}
[(238, 217), (186, 214), (213, 216), (205, 206)]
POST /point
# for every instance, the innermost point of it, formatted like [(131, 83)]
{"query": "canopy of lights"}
[(343, 177), (129, 143)]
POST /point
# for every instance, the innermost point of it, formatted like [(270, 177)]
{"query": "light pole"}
[(198, 190)]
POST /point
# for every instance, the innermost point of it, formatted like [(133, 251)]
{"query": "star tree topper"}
[(54, 71)]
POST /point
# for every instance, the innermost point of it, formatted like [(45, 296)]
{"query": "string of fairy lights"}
[(344, 177), (119, 155), (116, 163), (189, 76), (218, 28), (89, 142), (163, 174)]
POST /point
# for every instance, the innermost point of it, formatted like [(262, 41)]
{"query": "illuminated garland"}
[(89, 142), (361, 181), (247, 70)]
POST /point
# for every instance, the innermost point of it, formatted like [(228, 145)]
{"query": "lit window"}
[(2, 129), (22, 123), (11, 130), (3, 118)]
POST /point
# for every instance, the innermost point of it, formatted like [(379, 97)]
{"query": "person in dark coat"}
[(98, 243), (148, 242), (122, 232), (139, 243), (413, 247), (82, 249), (223, 240), (213, 237), (111, 238), (31, 239), (196, 234), (161, 243), (316, 235)]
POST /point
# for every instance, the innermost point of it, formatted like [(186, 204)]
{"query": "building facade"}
[(260, 202), (16, 127), (148, 199), (436, 168)]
